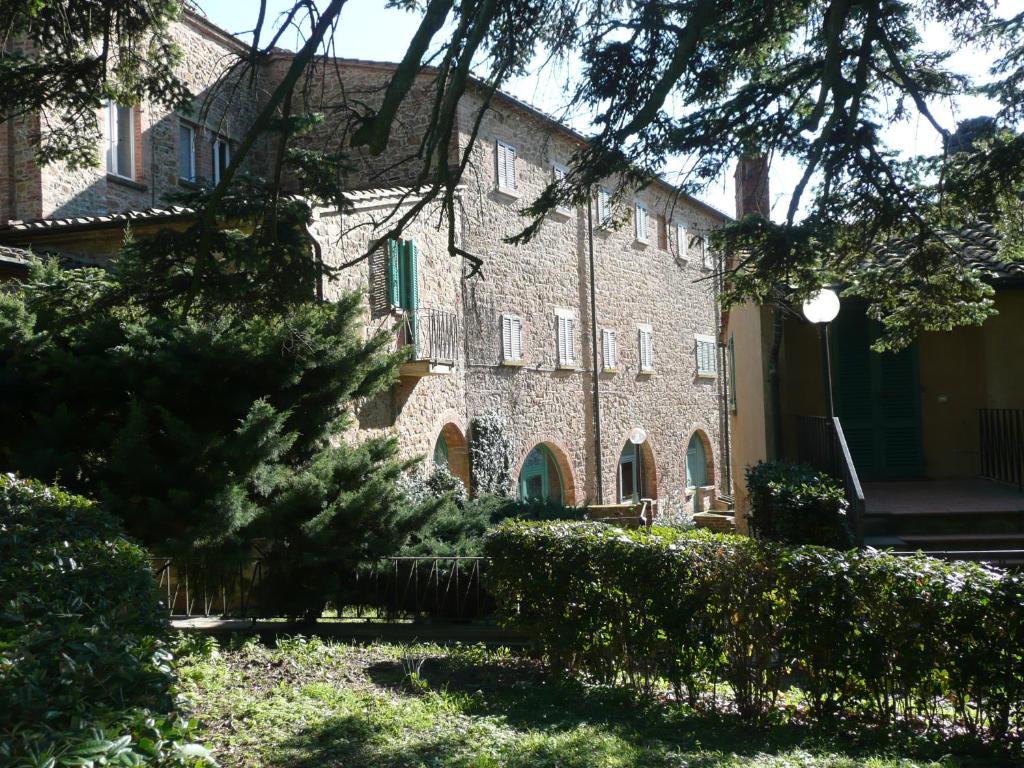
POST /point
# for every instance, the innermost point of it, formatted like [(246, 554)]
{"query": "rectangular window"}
[(506, 167), (120, 140), (682, 242), (511, 338), (560, 172), (609, 350), (566, 320), (706, 348), (186, 152), (646, 352), (604, 207), (732, 374), (706, 257), (662, 232), (640, 219), (221, 158)]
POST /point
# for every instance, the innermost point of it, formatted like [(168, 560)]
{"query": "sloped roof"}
[(977, 245), (17, 228)]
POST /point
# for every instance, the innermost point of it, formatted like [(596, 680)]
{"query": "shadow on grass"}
[(529, 701)]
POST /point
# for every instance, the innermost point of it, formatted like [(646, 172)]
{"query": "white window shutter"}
[(706, 348), (506, 337), (506, 166), (646, 352), (705, 247), (640, 220), (511, 338), (603, 207), (609, 350), (682, 241)]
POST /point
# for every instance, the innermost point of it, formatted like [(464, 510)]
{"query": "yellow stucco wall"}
[(747, 423)]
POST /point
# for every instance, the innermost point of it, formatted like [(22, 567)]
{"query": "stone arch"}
[(647, 469), (560, 456), (452, 434), (701, 435)]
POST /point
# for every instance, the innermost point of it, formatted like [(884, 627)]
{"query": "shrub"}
[(894, 639), (795, 504), (85, 674)]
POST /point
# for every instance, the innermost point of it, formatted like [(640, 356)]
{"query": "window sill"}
[(513, 363), (561, 215), (567, 367), (609, 370), (641, 243), (126, 182), (706, 375), (189, 184), (650, 372), (512, 194)]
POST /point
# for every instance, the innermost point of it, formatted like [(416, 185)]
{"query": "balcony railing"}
[(822, 444), (1002, 444), (433, 334)]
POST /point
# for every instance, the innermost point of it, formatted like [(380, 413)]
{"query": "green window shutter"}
[(411, 276), (394, 274)]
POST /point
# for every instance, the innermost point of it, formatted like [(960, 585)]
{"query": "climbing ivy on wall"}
[(491, 457)]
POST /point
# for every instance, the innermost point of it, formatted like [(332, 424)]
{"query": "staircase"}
[(970, 519)]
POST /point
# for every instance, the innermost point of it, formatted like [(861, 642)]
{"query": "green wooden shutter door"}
[(412, 277), (394, 274), (878, 399)]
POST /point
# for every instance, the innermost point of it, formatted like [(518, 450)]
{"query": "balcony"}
[(434, 336)]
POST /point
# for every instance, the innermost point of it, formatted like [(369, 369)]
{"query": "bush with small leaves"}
[(897, 641), (85, 670)]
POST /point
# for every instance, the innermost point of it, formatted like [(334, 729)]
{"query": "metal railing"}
[(434, 334), (1002, 444), (396, 589), (822, 444)]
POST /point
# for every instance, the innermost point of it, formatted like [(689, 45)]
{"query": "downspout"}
[(593, 344)]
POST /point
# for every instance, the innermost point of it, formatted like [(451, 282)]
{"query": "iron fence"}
[(434, 334), (1002, 444), (396, 589)]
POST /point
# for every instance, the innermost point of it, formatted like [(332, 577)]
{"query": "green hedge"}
[(884, 638), (85, 674), (796, 504)]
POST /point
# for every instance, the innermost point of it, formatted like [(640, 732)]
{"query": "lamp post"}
[(821, 309)]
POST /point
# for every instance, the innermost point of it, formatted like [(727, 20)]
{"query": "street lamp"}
[(821, 309)]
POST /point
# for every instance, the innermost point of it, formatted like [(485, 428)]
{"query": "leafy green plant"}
[(897, 641), (795, 504), (85, 670)]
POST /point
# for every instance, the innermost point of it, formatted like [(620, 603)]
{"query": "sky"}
[(369, 30)]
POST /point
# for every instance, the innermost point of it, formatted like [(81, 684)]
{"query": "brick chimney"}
[(752, 186)]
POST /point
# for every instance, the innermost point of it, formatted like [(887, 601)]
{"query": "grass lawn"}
[(311, 703)]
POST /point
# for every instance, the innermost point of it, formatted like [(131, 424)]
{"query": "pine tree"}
[(201, 392)]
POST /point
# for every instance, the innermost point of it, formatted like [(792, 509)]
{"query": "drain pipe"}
[(598, 459)]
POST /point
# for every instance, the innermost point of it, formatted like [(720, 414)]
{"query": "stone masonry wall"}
[(635, 284), (415, 409), (218, 109)]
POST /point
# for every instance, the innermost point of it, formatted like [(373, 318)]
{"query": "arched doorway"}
[(636, 473), (700, 470), (545, 475), (451, 451)]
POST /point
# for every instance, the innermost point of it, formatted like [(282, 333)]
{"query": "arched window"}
[(636, 473), (441, 451), (540, 478), (696, 462)]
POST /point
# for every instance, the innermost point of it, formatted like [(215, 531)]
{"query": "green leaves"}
[(85, 674), (890, 640), (794, 504)]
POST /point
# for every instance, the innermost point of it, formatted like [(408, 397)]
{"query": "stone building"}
[(602, 328)]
